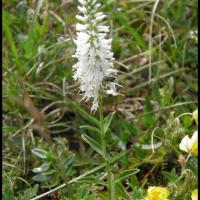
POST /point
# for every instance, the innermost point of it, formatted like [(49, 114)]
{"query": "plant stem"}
[(105, 153)]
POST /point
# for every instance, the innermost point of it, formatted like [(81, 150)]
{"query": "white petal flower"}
[(185, 143), (103, 28), (81, 18), (82, 9), (194, 137), (190, 145), (81, 27), (93, 52), (96, 6)]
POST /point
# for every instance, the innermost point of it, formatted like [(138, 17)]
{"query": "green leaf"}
[(45, 176), (82, 191), (30, 193), (107, 121), (41, 178), (50, 172), (96, 146), (44, 167), (40, 153), (125, 174), (94, 132), (134, 182), (121, 191), (113, 160), (192, 167), (67, 164), (137, 193), (68, 171), (8, 193), (86, 115), (69, 160), (90, 128), (170, 176)]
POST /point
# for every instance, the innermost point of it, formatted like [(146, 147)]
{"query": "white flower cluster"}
[(94, 53)]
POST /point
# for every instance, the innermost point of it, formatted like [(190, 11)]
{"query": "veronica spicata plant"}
[(92, 71), (94, 54)]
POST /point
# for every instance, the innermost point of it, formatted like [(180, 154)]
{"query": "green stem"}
[(105, 153)]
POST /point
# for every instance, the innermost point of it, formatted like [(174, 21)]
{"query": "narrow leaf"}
[(39, 153), (41, 178), (69, 160), (96, 146), (39, 5), (125, 174), (107, 121), (85, 114), (44, 167), (50, 172), (95, 132), (90, 128), (9, 37), (30, 192)]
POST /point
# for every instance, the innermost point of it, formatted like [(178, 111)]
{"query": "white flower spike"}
[(190, 145), (94, 54)]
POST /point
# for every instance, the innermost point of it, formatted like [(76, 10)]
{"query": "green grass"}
[(37, 61)]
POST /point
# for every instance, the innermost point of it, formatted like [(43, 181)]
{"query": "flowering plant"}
[(94, 54)]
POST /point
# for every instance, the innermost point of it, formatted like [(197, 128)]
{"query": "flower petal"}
[(184, 145)]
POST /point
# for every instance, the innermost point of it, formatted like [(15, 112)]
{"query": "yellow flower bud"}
[(157, 193)]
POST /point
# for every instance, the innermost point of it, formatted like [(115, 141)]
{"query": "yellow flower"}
[(190, 145), (157, 193), (195, 194), (195, 116)]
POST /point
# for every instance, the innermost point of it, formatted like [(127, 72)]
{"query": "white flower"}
[(93, 52), (190, 145)]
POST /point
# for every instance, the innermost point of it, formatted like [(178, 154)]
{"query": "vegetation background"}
[(41, 105)]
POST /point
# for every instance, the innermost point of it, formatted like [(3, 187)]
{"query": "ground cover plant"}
[(136, 136)]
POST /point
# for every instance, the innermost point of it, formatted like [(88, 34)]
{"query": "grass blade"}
[(9, 36)]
